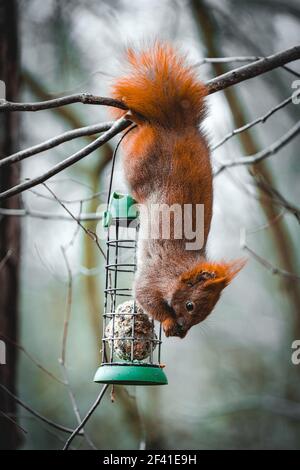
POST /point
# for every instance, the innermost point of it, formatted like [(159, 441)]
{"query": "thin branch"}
[(48, 216), (5, 259), (68, 201), (292, 71), (273, 269), (119, 126), (69, 299), (261, 119), (38, 415), (270, 193), (87, 417), (47, 429), (219, 83), (84, 98), (68, 308), (216, 84), (268, 224), (278, 198), (264, 262), (9, 418), (55, 141), (263, 154), (32, 359), (75, 406), (92, 235), (253, 70), (226, 60)]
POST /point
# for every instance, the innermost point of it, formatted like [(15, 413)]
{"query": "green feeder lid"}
[(131, 375), (121, 206)]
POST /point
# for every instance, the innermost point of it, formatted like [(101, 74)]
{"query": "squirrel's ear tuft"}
[(213, 274), (225, 271), (234, 267)]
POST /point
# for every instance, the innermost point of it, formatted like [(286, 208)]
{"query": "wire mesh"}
[(120, 270)]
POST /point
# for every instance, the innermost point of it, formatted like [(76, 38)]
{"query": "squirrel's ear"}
[(201, 276), (224, 272), (213, 274)]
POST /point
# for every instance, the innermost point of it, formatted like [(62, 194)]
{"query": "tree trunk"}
[(9, 226)]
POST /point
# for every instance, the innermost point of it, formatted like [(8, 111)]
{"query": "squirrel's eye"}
[(189, 306)]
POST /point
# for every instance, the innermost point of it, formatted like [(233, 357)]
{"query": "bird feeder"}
[(131, 342)]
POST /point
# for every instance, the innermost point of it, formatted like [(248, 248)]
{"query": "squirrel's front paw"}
[(171, 327)]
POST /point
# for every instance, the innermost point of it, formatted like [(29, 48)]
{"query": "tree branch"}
[(278, 198), (84, 98), (264, 262), (221, 82), (119, 126), (87, 417), (253, 70), (261, 119), (38, 415), (32, 359), (259, 156), (92, 235), (55, 141), (48, 216)]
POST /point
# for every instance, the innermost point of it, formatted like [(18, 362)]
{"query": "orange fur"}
[(161, 88), (223, 272), (166, 161)]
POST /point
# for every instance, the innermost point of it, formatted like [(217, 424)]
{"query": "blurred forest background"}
[(232, 383)]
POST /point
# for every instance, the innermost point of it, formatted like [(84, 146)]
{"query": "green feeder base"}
[(131, 375)]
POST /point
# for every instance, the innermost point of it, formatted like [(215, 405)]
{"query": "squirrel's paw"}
[(172, 328)]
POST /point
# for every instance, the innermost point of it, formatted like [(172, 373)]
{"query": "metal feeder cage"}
[(139, 362)]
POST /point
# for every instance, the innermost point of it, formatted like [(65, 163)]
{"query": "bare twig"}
[(62, 360), (226, 60), (68, 308), (264, 262), (253, 70), (270, 194), (268, 224), (261, 119), (47, 429), (92, 235), (273, 269), (216, 84), (263, 154), (219, 83), (13, 421), (75, 405), (32, 359), (38, 415), (118, 126), (278, 198), (68, 201), (55, 141), (87, 417), (5, 259), (48, 216), (84, 98)]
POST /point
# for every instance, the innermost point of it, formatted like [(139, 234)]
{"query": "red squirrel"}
[(166, 160)]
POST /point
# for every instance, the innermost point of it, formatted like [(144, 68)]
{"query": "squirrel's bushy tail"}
[(161, 88)]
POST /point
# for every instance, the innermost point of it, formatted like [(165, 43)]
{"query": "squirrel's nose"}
[(180, 321)]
